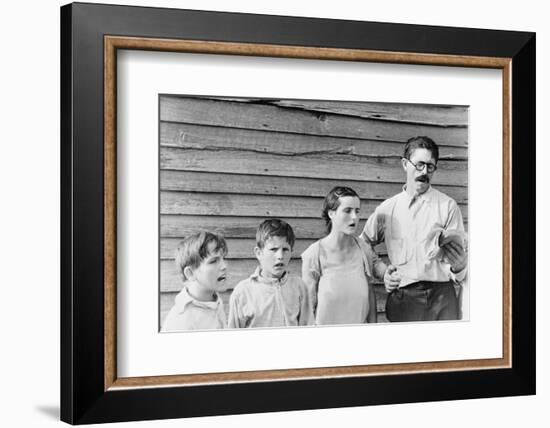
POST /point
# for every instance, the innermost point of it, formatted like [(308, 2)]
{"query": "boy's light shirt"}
[(189, 313), (262, 302), (410, 227)]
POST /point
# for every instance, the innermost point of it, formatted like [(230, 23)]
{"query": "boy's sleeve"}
[(234, 319), (310, 275)]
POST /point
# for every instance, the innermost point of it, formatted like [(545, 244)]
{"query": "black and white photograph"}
[(297, 212)]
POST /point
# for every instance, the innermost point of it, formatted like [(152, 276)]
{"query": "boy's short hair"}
[(194, 249), (274, 227)]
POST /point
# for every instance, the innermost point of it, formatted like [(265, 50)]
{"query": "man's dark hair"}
[(421, 142)]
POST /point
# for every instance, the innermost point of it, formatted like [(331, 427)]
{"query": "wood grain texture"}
[(334, 166), (234, 227), (218, 138), (212, 204), (276, 119), (176, 226), (426, 114), (208, 182)]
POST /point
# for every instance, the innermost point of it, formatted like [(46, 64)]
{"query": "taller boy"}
[(424, 235)]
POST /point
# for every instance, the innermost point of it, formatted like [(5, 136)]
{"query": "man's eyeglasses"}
[(430, 167)]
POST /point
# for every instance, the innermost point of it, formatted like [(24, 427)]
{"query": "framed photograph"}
[(273, 213)]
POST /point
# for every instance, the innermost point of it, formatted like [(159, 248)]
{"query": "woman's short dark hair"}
[(332, 202)]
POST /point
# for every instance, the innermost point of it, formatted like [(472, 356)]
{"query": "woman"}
[(338, 268)]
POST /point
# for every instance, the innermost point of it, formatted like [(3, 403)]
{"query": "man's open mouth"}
[(221, 278), (279, 265), (423, 179)]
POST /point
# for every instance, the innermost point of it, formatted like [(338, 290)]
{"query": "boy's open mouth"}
[(221, 278), (279, 265)]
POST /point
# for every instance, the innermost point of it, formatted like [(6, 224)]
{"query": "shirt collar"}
[(256, 276), (184, 298), (426, 196)]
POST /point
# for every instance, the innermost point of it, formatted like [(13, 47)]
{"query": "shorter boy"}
[(200, 261), (270, 297)]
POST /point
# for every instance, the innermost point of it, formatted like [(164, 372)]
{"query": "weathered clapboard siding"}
[(234, 227), (237, 227), (218, 138), (341, 167), (427, 114), (255, 205), (192, 181), (227, 164), (276, 119)]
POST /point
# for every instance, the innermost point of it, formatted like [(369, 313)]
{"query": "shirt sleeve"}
[(373, 233), (455, 222), (235, 318), (377, 264), (311, 272)]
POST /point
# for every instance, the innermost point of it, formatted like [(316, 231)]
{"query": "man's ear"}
[(188, 272), (404, 164)]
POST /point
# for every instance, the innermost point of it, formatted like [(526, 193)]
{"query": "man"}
[(424, 235)]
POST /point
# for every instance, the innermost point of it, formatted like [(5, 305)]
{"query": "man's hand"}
[(392, 278), (456, 256)]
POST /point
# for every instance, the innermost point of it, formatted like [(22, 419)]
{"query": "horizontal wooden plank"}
[(246, 205), (252, 205), (167, 301), (235, 227), (341, 167), (193, 181), (427, 114), (273, 118), (177, 226), (217, 138)]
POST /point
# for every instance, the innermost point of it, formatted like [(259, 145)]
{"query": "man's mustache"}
[(423, 178)]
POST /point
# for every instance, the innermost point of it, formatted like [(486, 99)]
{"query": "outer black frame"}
[(83, 399)]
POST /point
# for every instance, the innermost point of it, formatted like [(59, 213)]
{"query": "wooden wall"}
[(226, 164)]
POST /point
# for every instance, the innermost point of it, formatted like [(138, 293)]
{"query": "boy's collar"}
[(257, 275), (184, 298)]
